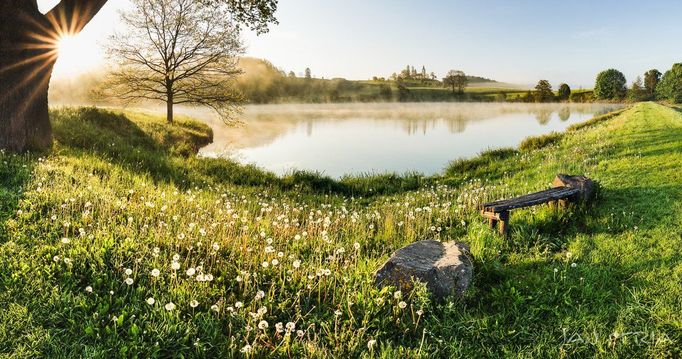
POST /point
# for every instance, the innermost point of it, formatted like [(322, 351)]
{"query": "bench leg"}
[(563, 203), (504, 224), (552, 205), (492, 223)]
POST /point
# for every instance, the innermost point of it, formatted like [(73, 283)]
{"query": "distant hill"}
[(478, 79)]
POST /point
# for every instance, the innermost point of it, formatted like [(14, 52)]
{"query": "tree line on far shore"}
[(611, 85)]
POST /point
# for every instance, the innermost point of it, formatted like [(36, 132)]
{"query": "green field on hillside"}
[(121, 243)]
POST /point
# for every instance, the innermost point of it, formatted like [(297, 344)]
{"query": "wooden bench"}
[(565, 189)]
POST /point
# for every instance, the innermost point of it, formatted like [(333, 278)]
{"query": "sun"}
[(76, 55), (67, 45)]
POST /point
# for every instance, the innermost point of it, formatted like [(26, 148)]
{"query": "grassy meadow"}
[(120, 242)]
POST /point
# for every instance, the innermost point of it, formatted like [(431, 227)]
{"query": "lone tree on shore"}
[(564, 92), (610, 85), (28, 52), (543, 91), (179, 52), (457, 80)]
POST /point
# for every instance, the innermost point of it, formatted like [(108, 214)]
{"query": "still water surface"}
[(340, 139)]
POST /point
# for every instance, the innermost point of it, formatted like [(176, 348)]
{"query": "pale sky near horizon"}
[(509, 41)]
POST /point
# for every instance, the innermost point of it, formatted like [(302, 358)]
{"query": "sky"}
[(519, 41)]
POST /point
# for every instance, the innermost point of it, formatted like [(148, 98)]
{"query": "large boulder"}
[(445, 267), (586, 186)]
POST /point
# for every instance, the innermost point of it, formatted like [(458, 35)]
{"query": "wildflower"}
[(297, 264), (265, 264), (397, 294), (262, 325), (300, 333), (216, 247), (239, 278), (291, 326), (279, 327), (88, 289), (238, 305), (190, 272), (175, 265), (55, 258), (274, 262), (556, 270), (402, 305), (370, 344), (356, 245), (169, 306), (420, 312), (66, 240), (260, 294), (246, 349), (176, 257), (155, 272), (151, 301), (574, 264), (337, 313), (129, 281), (193, 303), (215, 308), (129, 271)]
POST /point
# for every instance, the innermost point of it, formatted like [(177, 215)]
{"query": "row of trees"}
[(544, 93), (611, 85)]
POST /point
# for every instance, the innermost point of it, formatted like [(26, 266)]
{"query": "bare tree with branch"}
[(180, 52)]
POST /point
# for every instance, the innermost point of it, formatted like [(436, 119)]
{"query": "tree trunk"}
[(169, 108), (28, 52), (26, 63)]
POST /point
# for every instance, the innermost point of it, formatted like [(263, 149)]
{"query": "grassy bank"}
[(120, 243)]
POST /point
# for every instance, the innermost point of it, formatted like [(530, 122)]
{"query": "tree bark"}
[(169, 109), (169, 101), (28, 52), (25, 67)]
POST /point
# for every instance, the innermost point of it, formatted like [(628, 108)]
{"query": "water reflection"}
[(351, 138), (564, 113)]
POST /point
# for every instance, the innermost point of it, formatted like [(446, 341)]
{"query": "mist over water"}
[(340, 139)]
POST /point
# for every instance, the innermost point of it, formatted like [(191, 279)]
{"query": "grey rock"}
[(445, 267), (586, 186)]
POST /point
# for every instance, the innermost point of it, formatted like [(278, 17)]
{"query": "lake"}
[(340, 139)]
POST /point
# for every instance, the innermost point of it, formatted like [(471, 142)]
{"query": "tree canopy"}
[(457, 80), (651, 80), (543, 91), (610, 85), (670, 86), (564, 92)]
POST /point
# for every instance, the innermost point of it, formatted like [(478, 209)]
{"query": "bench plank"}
[(532, 199)]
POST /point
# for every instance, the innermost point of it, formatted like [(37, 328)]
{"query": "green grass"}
[(119, 194)]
